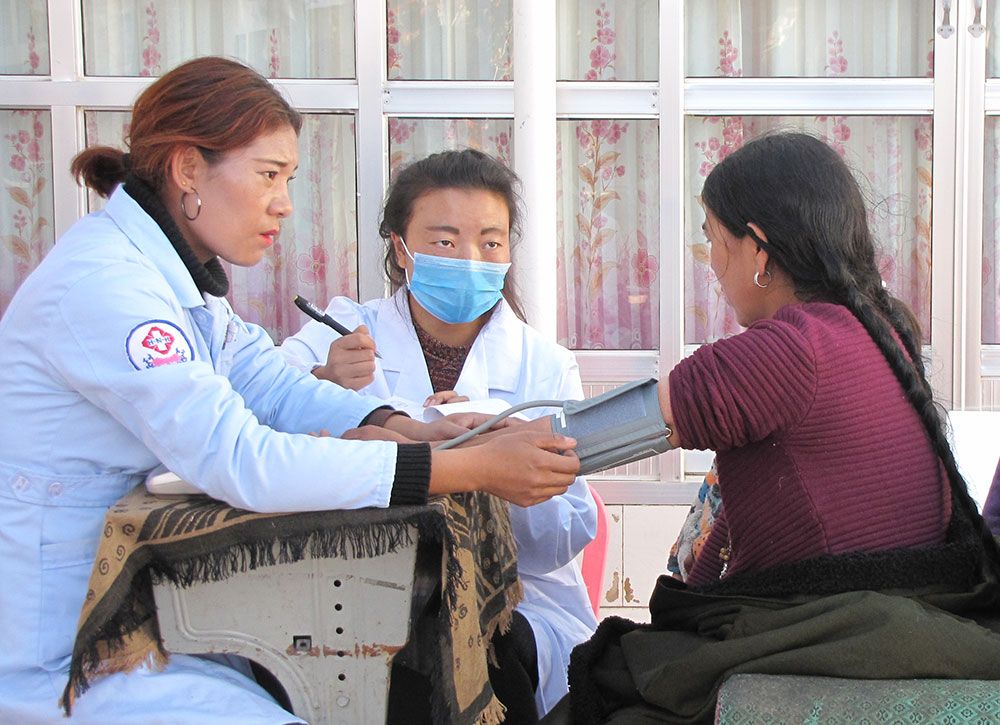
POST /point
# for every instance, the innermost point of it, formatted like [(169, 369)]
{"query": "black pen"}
[(314, 312)]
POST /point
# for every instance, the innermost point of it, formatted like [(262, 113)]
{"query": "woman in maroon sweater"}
[(846, 527), (813, 410)]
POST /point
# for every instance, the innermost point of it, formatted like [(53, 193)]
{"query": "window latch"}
[(977, 28), (945, 29)]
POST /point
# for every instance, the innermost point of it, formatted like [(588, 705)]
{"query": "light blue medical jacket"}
[(112, 363)]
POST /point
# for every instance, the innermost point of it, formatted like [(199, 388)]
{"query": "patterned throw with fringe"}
[(196, 538)]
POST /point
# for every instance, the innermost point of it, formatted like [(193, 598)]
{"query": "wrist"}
[(454, 470)]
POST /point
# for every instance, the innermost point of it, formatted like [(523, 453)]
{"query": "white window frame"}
[(958, 360)]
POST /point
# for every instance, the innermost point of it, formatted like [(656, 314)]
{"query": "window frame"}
[(959, 362)]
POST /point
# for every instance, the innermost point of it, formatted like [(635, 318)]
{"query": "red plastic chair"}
[(594, 555)]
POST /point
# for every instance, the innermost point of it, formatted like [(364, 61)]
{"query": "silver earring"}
[(756, 279), (184, 208)]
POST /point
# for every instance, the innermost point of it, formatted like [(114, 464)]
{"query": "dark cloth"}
[(935, 615), (813, 435), (991, 509), (196, 538), (514, 677)]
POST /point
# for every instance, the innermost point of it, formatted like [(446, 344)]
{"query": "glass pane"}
[(414, 138), (608, 40), (608, 228), (814, 38), (449, 39), (316, 254), (24, 37), (26, 208), (295, 39), (892, 160), (104, 128), (991, 234), (992, 20)]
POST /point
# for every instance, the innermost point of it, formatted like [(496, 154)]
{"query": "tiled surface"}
[(639, 540), (648, 532), (612, 595)]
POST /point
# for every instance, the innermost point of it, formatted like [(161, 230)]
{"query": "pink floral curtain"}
[(24, 37), (892, 160), (608, 40), (812, 38), (293, 39), (316, 254), (26, 204), (608, 184), (608, 230), (891, 155), (449, 39), (411, 139)]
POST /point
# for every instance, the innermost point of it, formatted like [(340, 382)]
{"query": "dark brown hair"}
[(216, 104)]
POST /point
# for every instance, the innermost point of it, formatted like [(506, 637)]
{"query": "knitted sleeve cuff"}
[(413, 474), (380, 415)]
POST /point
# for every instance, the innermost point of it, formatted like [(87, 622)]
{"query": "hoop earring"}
[(756, 279), (184, 208)]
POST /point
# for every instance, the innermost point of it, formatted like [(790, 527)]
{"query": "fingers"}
[(445, 396), (349, 362)]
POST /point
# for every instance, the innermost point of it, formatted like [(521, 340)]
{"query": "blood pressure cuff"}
[(616, 427)]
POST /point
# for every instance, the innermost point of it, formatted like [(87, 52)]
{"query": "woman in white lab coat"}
[(453, 329), (119, 353)]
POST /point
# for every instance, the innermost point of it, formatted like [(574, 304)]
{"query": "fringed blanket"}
[(196, 538)]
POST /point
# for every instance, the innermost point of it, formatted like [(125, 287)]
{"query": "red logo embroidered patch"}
[(155, 343)]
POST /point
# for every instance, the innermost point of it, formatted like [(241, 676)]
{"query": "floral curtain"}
[(892, 160), (991, 233), (817, 38), (608, 231), (612, 40), (411, 139), (293, 39), (316, 254), (24, 37), (608, 184), (891, 156), (449, 39), (26, 204)]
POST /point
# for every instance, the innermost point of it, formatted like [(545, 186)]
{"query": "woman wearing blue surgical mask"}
[(454, 330)]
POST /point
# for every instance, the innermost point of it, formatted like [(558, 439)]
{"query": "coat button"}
[(20, 483), (55, 489)]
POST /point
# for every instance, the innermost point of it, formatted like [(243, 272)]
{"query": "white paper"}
[(490, 406)]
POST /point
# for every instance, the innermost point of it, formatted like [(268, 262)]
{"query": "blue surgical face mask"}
[(455, 290)]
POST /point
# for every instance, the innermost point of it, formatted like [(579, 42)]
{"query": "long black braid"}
[(805, 199)]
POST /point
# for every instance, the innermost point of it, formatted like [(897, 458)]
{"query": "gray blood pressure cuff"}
[(616, 427)]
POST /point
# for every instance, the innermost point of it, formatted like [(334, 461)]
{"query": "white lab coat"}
[(84, 420), (508, 361)]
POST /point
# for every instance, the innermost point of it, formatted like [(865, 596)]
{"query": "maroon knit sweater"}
[(818, 449)]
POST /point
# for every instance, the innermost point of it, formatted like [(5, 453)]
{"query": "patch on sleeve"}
[(155, 343)]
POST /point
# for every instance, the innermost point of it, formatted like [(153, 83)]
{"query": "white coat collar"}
[(146, 236), (494, 362)]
